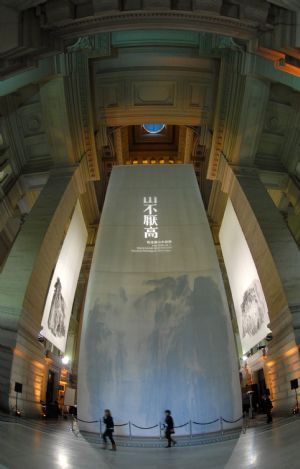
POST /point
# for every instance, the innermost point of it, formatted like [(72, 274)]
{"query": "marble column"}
[(24, 281)]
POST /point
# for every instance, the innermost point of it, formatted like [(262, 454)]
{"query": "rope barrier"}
[(86, 421), (144, 428), (154, 426), (233, 421), (206, 423), (184, 425)]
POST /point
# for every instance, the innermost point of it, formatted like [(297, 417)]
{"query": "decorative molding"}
[(49, 27), (291, 148), (79, 97), (98, 45), (211, 43), (289, 4), (153, 92), (196, 21), (14, 138), (274, 179), (231, 84), (239, 115), (185, 144), (282, 33), (120, 141), (80, 113), (178, 96)]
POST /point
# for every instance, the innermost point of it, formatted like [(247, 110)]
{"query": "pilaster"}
[(239, 116)]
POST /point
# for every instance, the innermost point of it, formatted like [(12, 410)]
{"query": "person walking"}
[(109, 429), (269, 407), (169, 428)]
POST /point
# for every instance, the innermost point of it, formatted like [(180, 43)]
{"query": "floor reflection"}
[(55, 447)]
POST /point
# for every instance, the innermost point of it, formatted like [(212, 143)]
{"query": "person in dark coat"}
[(267, 408), (109, 429), (169, 428)]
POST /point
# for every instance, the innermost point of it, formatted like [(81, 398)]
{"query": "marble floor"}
[(30, 447)]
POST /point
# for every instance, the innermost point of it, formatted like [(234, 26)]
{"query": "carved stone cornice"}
[(227, 173), (79, 96), (26, 42), (231, 85), (185, 144), (283, 32), (50, 26), (289, 4), (80, 113), (121, 145), (15, 141), (290, 151), (95, 46), (123, 20), (6, 212), (240, 110)]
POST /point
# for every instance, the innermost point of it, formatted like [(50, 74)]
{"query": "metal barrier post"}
[(244, 428), (100, 427), (160, 430), (221, 425), (191, 430), (130, 435)]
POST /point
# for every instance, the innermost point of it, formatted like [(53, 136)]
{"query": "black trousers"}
[(169, 437), (108, 434)]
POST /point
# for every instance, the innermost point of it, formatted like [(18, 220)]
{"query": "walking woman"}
[(109, 429), (169, 426)]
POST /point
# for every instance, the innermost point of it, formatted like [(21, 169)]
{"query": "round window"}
[(153, 128)]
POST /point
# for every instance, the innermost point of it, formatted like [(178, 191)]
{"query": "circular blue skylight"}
[(153, 128)]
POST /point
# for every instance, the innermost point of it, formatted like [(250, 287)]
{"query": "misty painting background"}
[(156, 332)]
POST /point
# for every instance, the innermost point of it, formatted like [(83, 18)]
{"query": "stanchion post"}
[(129, 425), (159, 430), (221, 425), (191, 430), (244, 422), (100, 427), (72, 423)]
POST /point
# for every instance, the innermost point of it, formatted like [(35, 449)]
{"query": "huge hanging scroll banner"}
[(59, 302), (247, 293), (156, 331)]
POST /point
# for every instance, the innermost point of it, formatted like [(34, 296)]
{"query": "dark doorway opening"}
[(50, 387), (261, 384)]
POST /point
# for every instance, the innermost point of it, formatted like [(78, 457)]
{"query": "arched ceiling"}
[(77, 81), (36, 28)]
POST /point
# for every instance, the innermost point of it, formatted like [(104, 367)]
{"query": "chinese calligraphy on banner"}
[(152, 234), (150, 217)]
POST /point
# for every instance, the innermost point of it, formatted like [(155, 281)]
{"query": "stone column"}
[(23, 287), (277, 260)]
